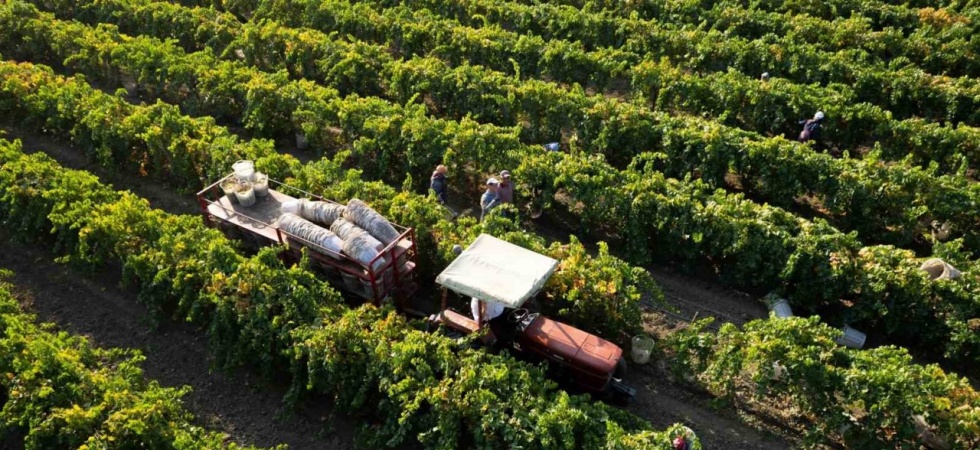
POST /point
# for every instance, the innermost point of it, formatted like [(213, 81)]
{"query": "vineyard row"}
[(937, 41), (906, 92), (408, 384), (548, 109), (906, 15), (61, 392), (423, 33), (682, 222), (850, 191), (875, 398)]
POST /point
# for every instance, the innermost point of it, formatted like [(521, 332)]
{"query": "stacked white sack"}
[(358, 244), (363, 251), (361, 214), (321, 213), (347, 230), (322, 238)]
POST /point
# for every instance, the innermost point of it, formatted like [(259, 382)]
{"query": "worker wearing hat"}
[(437, 183), (811, 128), (490, 198), (506, 192)]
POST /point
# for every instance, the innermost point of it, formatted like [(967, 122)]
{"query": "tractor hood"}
[(571, 344)]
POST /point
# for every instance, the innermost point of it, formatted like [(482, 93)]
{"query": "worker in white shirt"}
[(484, 312), (492, 315)]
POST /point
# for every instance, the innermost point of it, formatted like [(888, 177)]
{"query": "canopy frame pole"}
[(445, 292)]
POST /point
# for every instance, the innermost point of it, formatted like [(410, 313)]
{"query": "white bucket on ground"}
[(642, 347), (852, 338), (244, 170), (939, 270), (778, 370), (781, 308)]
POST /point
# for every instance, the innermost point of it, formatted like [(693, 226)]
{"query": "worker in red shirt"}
[(506, 191)]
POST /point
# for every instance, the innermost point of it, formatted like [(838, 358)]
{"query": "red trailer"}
[(258, 225)]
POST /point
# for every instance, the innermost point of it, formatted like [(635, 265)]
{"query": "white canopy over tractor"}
[(496, 271)]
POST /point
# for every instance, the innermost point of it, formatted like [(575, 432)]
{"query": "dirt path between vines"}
[(659, 400), (239, 404), (96, 306)]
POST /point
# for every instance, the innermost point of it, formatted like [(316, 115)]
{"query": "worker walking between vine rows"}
[(438, 183), (490, 198), (811, 128)]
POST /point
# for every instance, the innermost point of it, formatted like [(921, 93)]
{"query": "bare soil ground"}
[(248, 409), (237, 404)]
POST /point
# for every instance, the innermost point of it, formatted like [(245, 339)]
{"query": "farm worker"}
[(490, 198), (506, 192), (811, 128), (680, 443), (684, 441), (765, 76), (492, 315), (485, 312), (438, 183)]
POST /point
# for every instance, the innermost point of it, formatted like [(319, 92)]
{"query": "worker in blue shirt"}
[(490, 198)]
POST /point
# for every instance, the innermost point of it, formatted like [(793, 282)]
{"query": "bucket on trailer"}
[(244, 170), (642, 347), (245, 193), (228, 187), (261, 184), (852, 338)]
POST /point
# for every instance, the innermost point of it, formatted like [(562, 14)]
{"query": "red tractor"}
[(503, 274)]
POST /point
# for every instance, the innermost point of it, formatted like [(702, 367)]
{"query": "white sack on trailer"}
[(322, 238), (362, 250), (291, 206), (322, 213), (347, 230), (361, 214)]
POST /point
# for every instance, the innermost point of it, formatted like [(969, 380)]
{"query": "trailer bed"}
[(262, 218), (260, 223)]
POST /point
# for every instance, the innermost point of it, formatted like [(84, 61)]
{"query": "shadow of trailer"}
[(258, 225)]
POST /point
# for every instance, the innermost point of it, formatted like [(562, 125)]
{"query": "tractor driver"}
[(490, 311), (492, 315)]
